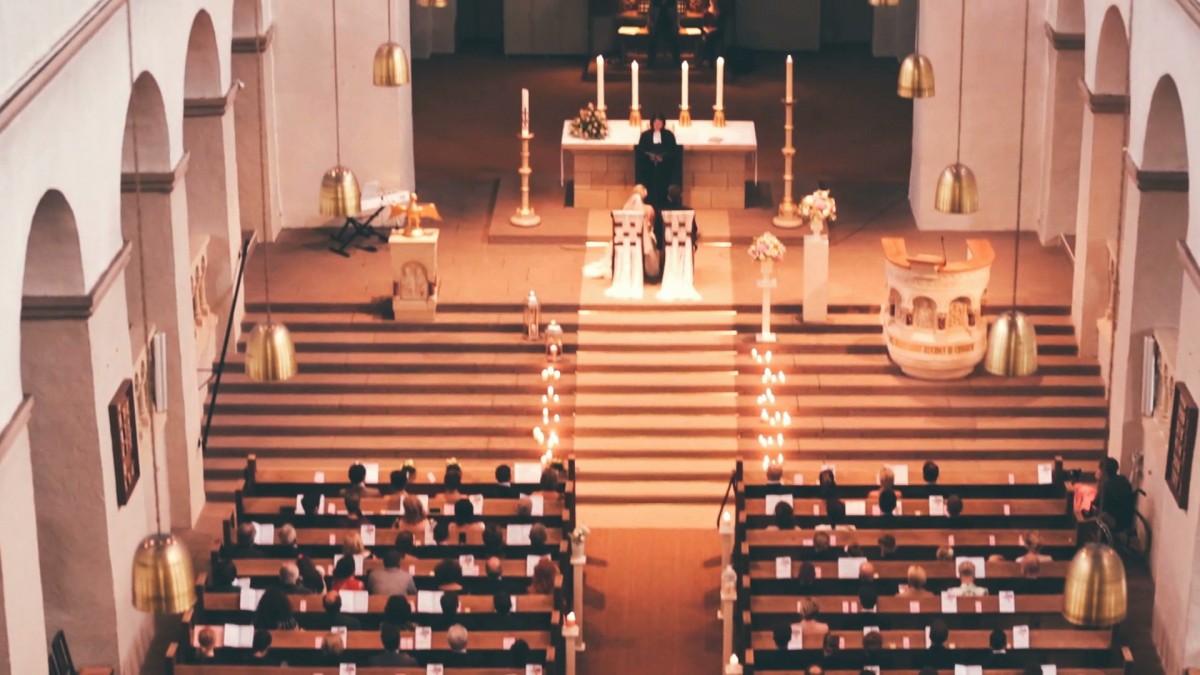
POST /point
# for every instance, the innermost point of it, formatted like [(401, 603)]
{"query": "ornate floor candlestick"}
[(525, 215), (788, 218)]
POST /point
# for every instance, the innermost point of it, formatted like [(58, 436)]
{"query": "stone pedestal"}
[(816, 278), (414, 275)]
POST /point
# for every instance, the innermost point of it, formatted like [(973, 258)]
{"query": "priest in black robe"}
[(658, 162)]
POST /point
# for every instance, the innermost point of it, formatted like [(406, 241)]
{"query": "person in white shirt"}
[(966, 579)]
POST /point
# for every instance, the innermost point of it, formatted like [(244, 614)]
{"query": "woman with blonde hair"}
[(352, 545), (808, 623), (916, 584), (414, 517), (1033, 546)]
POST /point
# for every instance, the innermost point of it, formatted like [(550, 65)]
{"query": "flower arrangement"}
[(767, 247), (591, 124), (580, 533), (818, 205)]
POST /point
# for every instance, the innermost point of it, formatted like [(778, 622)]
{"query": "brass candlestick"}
[(635, 116), (788, 218), (525, 216), (685, 116), (718, 116)]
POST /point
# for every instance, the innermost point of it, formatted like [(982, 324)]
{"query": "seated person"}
[(343, 576), (308, 515), (464, 522), (782, 635), (872, 644), (333, 650), (549, 485), (504, 480), (868, 597), (939, 633), (887, 481), (358, 483), (538, 535), (820, 547), (888, 502), (406, 548), (398, 612), (456, 638), (414, 518), (450, 605), (1033, 544), (784, 518), (524, 506), (807, 577), (260, 650), (245, 548), (333, 616), (285, 534), (930, 472), (545, 572), (391, 656), (916, 584), (448, 575), (887, 546), (493, 569), (1030, 567), (1115, 495), (808, 623), (998, 641), (453, 490), (353, 517), (502, 602), (493, 539), (312, 576), (391, 579), (289, 579), (966, 578), (206, 645), (224, 577), (954, 506), (866, 571), (944, 553), (274, 611), (352, 544)]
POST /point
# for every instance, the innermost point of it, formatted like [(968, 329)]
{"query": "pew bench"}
[(924, 537)]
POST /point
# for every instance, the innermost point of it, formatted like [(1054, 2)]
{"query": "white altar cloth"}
[(735, 136)]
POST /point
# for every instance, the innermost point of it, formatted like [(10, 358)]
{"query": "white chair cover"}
[(677, 283), (627, 278)]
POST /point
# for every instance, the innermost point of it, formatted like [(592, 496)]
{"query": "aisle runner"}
[(656, 415)]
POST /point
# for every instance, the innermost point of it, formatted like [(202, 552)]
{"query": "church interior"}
[(777, 337)]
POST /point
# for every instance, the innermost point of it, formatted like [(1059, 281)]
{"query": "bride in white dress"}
[(602, 268)]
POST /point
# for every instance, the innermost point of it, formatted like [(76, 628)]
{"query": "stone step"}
[(388, 446), (290, 425), (660, 339)]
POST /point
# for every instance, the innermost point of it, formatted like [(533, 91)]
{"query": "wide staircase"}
[(465, 386), (848, 401)]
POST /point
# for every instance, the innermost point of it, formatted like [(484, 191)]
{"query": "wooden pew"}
[(926, 607), (1048, 639), (951, 473), (368, 640), (176, 666), (479, 604), (923, 537), (1052, 506), (495, 506), (386, 537), (898, 570)]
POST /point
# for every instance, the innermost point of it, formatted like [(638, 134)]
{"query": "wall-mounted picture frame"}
[(1182, 446), (122, 420)]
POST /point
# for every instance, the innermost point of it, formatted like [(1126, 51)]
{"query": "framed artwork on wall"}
[(122, 420), (1182, 444)]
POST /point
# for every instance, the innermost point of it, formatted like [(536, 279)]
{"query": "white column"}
[(23, 637)]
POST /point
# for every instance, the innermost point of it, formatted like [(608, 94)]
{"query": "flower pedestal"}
[(816, 278), (766, 283)]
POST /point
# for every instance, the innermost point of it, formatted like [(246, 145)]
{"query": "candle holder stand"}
[(525, 215), (635, 116), (718, 116), (685, 116), (788, 217)]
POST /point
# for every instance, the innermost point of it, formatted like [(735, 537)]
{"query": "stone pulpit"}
[(414, 274), (932, 319)]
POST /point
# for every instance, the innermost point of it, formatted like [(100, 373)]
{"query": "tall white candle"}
[(789, 77), (600, 82), (684, 70), (524, 110), (720, 81), (633, 68)]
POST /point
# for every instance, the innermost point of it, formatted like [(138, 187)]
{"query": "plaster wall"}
[(376, 122), (991, 113), (23, 635), (29, 29)]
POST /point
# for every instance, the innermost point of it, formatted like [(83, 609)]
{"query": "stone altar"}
[(414, 275)]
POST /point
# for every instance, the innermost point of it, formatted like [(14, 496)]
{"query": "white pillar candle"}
[(633, 68), (600, 82), (524, 110), (789, 77), (684, 69), (720, 81)]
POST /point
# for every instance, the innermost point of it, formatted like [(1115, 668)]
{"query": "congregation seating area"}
[(489, 555), (866, 590)]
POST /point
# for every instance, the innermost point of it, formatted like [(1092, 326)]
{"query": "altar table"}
[(717, 164)]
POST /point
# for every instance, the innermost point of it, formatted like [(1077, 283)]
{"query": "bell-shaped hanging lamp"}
[(916, 77), (436, 4), (391, 66), (885, 3), (1012, 346), (163, 582), (270, 353), (1095, 592), (957, 191), (391, 63), (340, 194)]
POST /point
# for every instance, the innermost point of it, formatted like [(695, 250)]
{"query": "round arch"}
[(1112, 55), (1165, 146), (148, 116), (202, 70), (53, 262)]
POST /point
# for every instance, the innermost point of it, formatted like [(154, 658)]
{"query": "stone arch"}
[(1165, 146), (53, 262), (959, 315), (895, 300), (924, 313), (1112, 55), (202, 70), (147, 114)]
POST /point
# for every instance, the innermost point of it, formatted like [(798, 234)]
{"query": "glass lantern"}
[(554, 342), (532, 317)]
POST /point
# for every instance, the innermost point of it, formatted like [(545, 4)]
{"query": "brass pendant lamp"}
[(916, 70), (436, 4), (270, 352), (957, 191), (162, 580), (391, 63), (1012, 349), (340, 194), (1095, 593)]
